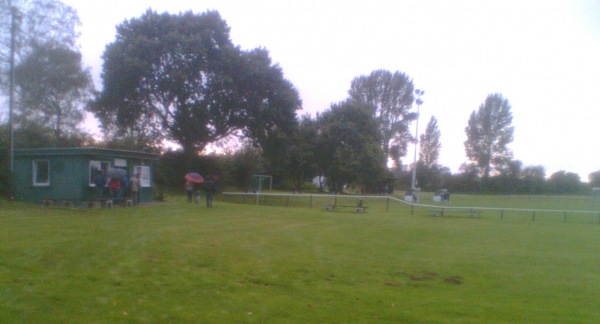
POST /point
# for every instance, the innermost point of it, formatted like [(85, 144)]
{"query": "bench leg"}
[(94, 204)]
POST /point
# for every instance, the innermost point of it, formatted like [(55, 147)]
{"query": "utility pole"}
[(11, 90)]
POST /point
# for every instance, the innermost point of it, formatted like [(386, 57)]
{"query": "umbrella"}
[(116, 173), (194, 177)]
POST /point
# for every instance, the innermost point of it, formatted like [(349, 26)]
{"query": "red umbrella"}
[(194, 177)]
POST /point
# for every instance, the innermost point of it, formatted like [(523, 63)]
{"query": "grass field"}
[(175, 262)]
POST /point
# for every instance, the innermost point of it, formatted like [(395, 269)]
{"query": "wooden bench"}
[(329, 207), (98, 203), (127, 202), (67, 203), (90, 203), (358, 209), (442, 212), (108, 202)]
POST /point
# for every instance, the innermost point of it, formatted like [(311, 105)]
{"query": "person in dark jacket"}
[(99, 182), (189, 189), (210, 189)]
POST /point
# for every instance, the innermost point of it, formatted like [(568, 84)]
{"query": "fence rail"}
[(396, 205)]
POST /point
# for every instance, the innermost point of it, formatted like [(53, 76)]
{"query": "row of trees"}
[(514, 179), (179, 78), (237, 168)]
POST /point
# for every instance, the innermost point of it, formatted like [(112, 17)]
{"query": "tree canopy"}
[(349, 145), (53, 88), (39, 22), (300, 163), (534, 179), (180, 78), (392, 96), (430, 145), (594, 179), (489, 132), (429, 171), (564, 182)]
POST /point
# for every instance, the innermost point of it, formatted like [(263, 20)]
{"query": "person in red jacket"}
[(115, 188)]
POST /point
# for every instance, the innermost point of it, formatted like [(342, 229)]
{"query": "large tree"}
[(430, 145), (562, 182), (392, 96), (349, 146), (594, 179), (534, 179), (181, 77), (508, 179), (300, 164), (38, 22), (429, 170), (489, 132), (243, 164), (53, 88)]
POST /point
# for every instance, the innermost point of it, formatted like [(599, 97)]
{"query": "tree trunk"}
[(188, 157)]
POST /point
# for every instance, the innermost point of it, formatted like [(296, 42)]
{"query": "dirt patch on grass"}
[(457, 280), (423, 276)]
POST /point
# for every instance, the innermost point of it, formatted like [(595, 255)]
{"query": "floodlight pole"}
[(419, 93)]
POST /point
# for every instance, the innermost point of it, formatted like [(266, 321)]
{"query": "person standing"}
[(209, 189), (99, 182), (189, 189), (134, 186), (124, 186), (197, 193), (115, 188)]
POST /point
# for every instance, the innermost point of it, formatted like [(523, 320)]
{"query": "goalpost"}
[(258, 182)]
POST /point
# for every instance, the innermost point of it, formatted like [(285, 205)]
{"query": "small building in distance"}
[(68, 173)]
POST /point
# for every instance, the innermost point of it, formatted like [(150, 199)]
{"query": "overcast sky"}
[(543, 56)]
